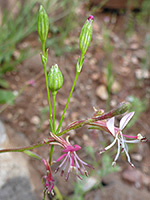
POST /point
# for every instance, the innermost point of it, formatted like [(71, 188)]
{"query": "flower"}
[(108, 126), (120, 137), (49, 179), (71, 159)]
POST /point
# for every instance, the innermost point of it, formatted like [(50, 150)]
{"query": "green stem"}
[(52, 146), (62, 117), (51, 154), (48, 93), (43, 48), (54, 97), (21, 149)]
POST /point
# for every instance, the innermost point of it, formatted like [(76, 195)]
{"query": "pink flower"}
[(49, 179), (71, 159), (119, 137)]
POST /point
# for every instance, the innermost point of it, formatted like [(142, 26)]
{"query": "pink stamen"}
[(61, 157), (129, 136)]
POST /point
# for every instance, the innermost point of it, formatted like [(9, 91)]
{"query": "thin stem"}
[(52, 147), (21, 149), (54, 97), (51, 154), (43, 48), (48, 93), (62, 117)]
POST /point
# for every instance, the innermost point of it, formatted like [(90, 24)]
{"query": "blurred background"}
[(116, 69)]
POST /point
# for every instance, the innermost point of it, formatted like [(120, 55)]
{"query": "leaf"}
[(7, 96), (4, 83)]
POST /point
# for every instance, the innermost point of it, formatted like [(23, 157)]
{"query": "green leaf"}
[(6, 96), (4, 83), (32, 154)]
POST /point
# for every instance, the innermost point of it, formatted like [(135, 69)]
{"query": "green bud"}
[(86, 35), (121, 108), (43, 24), (55, 79)]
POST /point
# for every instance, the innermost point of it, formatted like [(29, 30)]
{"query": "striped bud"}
[(43, 24), (86, 35), (55, 79)]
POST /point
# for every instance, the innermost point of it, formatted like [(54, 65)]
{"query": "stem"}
[(62, 117), (52, 147), (51, 154), (54, 97), (48, 94), (43, 48), (21, 149)]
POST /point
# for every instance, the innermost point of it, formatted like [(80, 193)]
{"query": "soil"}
[(25, 116)]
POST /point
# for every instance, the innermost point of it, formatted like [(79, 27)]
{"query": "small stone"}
[(140, 54), (35, 120), (134, 46), (115, 87), (22, 124), (101, 92), (140, 74), (137, 157), (134, 60), (113, 103), (95, 76), (3, 135), (9, 116), (89, 183)]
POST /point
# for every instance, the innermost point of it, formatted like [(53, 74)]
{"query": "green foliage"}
[(6, 96)]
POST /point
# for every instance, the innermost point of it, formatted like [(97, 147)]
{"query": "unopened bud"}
[(43, 24), (86, 35), (121, 108), (55, 79)]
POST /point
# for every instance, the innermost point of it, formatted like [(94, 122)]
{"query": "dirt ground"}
[(25, 116)]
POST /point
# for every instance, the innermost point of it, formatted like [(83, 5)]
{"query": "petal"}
[(111, 126), (125, 120), (118, 152)]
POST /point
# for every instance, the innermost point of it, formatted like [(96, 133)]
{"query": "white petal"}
[(118, 152), (110, 125), (111, 145), (125, 120)]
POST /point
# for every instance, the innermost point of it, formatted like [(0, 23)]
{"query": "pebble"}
[(140, 74), (101, 92), (116, 87), (35, 120)]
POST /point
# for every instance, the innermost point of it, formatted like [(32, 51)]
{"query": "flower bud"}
[(86, 35), (55, 79), (43, 24)]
